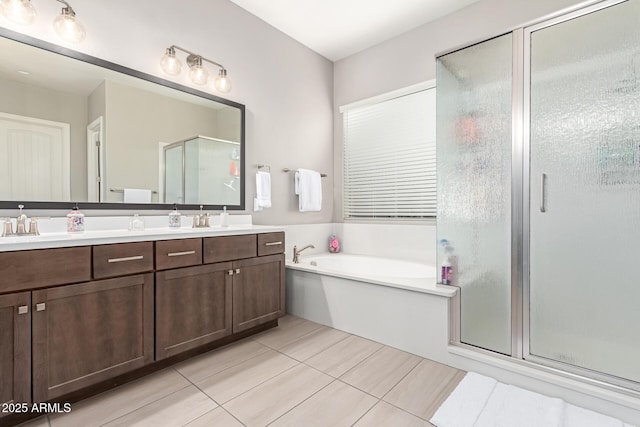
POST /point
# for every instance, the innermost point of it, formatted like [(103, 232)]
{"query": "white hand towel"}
[(263, 191), (137, 195), (308, 187)]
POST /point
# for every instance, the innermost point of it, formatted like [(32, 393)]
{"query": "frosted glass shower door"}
[(584, 279), (474, 185)]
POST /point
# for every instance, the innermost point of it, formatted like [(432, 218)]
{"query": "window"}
[(390, 156)]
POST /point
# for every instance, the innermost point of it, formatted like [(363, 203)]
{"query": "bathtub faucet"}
[(296, 252)]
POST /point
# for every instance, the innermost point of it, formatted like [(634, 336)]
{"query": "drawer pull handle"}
[(41, 306), (181, 253), (230, 272), (237, 271), (273, 243), (128, 258), (23, 309)]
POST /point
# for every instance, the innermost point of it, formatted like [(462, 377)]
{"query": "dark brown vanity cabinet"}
[(76, 317), (15, 348), (258, 276), (89, 332), (258, 291), (193, 307)]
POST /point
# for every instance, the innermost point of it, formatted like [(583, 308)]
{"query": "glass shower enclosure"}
[(539, 191), (202, 170)]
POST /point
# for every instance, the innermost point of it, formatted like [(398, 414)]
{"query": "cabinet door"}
[(193, 307), (15, 348), (90, 332), (258, 291)]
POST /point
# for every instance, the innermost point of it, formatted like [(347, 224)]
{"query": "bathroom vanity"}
[(84, 315)]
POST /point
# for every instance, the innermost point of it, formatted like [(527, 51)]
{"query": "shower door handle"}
[(543, 185)]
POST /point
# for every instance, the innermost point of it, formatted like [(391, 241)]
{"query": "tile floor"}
[(299, 374)]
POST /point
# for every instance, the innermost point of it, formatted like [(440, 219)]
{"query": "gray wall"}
[(410, 58), (287, 88)]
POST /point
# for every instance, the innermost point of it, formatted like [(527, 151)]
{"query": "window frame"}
[(426, 85)]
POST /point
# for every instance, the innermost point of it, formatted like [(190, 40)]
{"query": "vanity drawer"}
[(178, 253), (270, 243), (44, 267), (122, 259), (229, 248)]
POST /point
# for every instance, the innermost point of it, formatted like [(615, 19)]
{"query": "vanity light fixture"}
[(66, 25), (18, 11), (171, 65)]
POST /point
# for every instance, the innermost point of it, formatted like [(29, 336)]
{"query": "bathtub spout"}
[(296, 253)]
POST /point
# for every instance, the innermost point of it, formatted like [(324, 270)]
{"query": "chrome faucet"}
[(296, 252), (21, 225), (201, 220)]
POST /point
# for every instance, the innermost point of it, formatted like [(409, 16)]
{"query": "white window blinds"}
[(390, 158)]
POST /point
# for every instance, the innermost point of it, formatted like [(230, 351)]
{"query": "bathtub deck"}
[(427, 285)]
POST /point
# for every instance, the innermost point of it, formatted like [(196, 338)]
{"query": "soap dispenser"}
[(136, 223), (224, 218), (75, 220), (175, 218)]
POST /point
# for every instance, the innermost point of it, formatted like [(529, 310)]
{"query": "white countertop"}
[(101, 233)]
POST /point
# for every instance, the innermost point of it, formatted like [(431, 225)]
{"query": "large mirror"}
[(74, 128)]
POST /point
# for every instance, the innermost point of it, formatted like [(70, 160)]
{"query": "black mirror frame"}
[(41, 44)]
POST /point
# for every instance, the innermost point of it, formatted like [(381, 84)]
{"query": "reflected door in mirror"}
[(34, 159)]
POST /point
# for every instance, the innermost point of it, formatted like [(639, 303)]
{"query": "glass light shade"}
[(18, 11), (222, 83), (170, 64), (69, 28), (199, 75)]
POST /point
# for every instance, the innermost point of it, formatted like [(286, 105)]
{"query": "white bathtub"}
[(395, 302), (375, 270)]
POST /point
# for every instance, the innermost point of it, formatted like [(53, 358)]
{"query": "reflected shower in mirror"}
[(74, 128)]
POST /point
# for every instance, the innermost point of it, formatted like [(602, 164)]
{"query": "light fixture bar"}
[(170, 64), (173, 46)]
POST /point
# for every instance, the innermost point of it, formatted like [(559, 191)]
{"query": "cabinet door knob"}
[(23, 309), (230, 272), (237, 271), (41, 306)]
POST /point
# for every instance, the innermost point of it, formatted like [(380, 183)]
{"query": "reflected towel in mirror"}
[(137, 195)]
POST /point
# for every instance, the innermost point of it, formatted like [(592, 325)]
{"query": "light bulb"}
[(68, 27), (198, 74), (222, 83), (18, 11), (170, 64)]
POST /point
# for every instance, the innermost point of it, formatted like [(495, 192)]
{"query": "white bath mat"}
[(466, 401), (480, 401), (510, 406)]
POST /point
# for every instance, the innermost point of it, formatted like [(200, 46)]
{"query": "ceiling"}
[(339, 28)]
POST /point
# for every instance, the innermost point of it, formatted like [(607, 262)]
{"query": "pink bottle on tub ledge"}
[(334, 244)]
